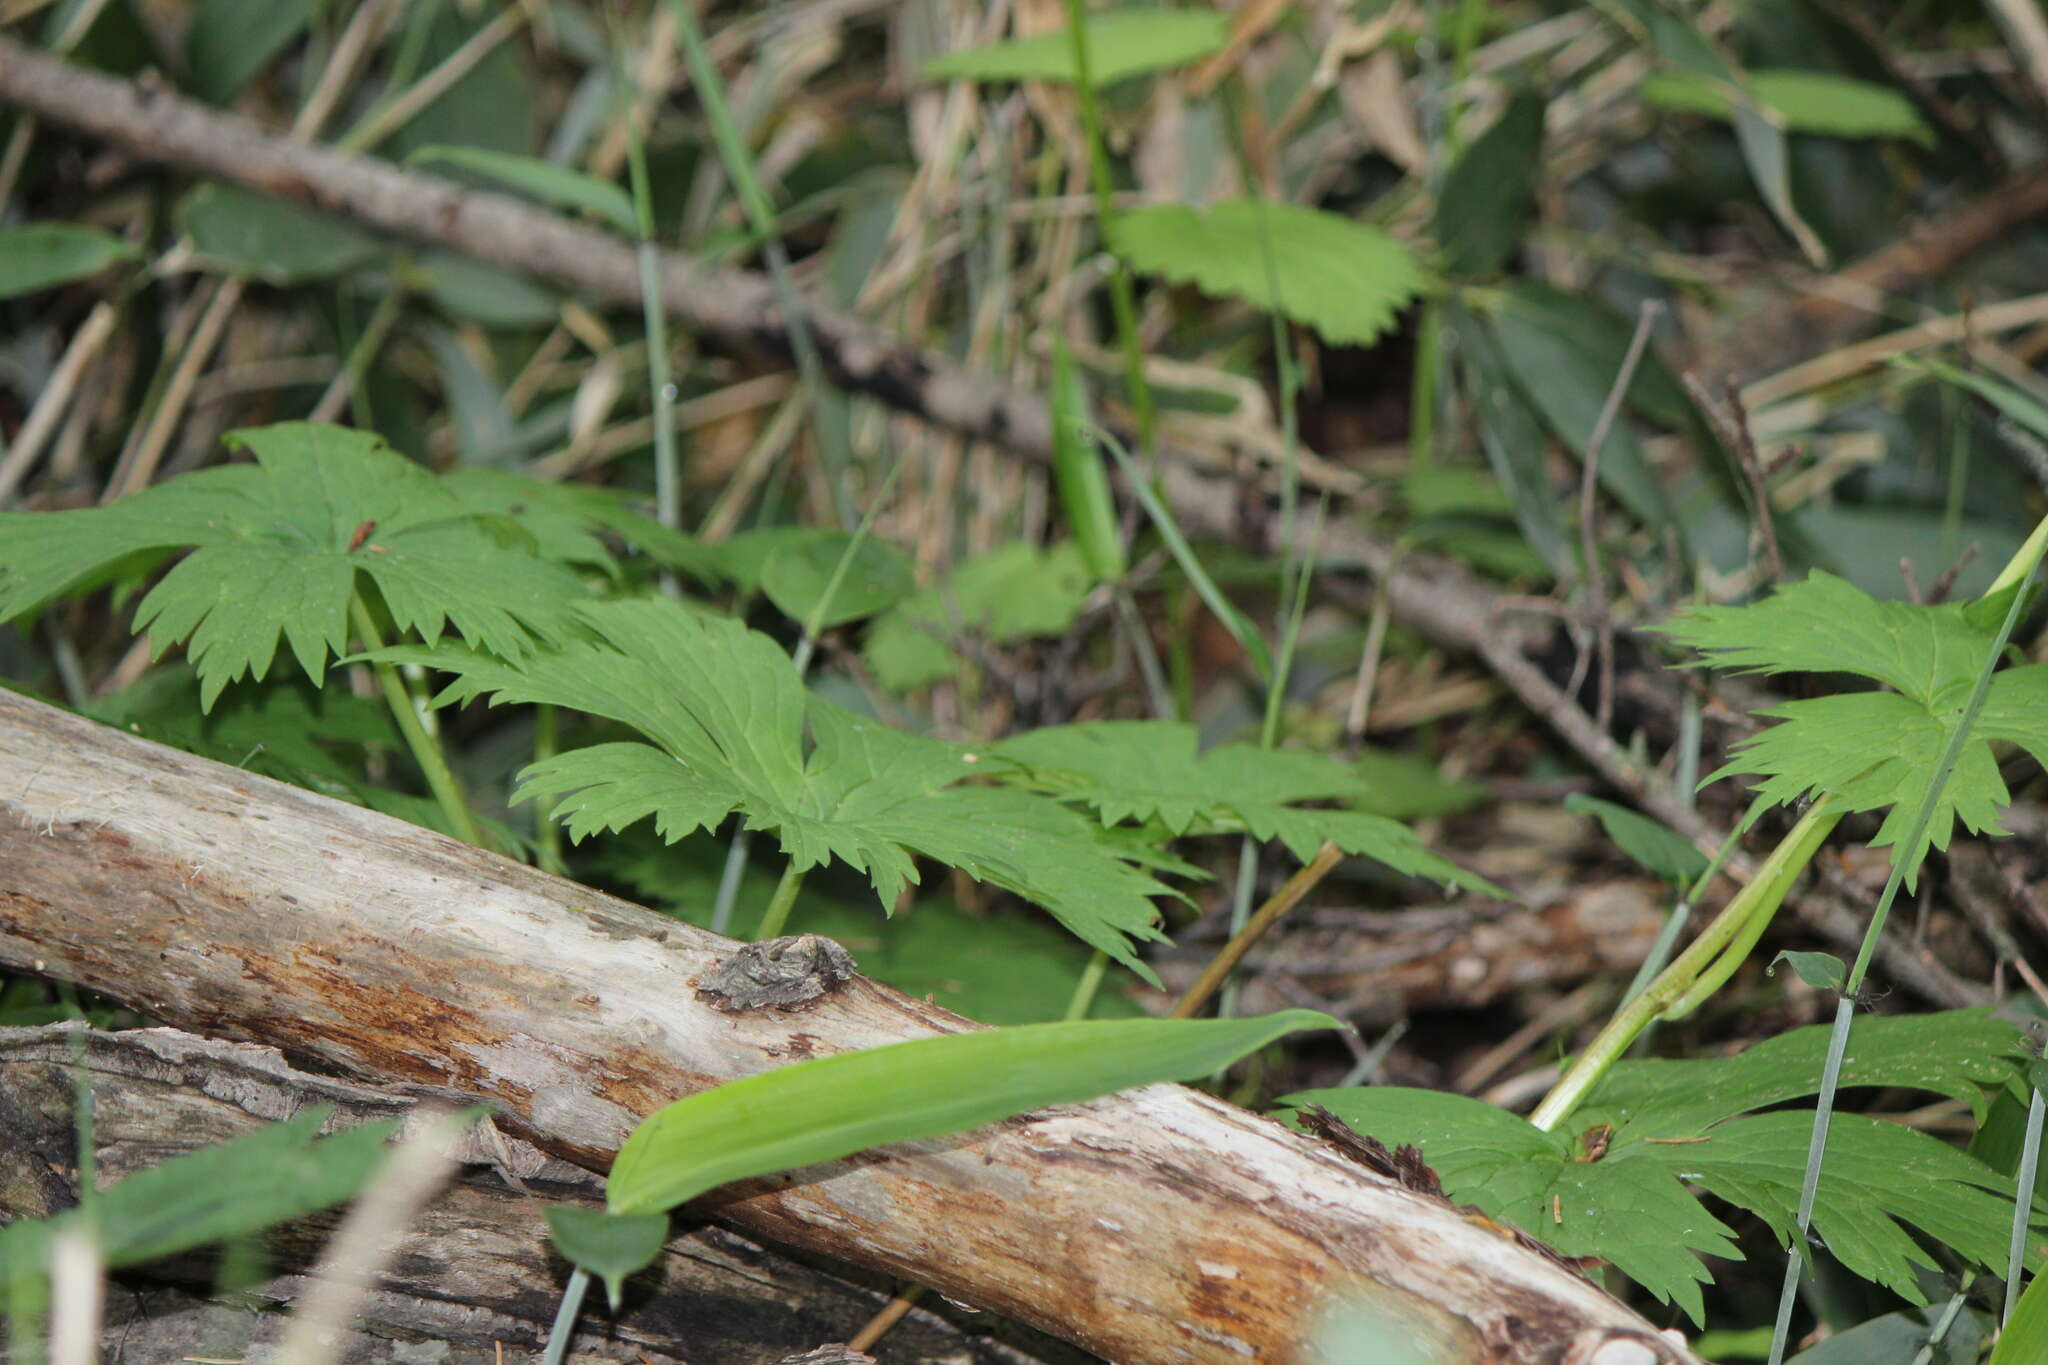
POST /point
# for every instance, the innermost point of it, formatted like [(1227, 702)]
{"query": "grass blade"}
[(832, 1107)]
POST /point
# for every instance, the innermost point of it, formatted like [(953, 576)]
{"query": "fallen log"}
[(474, 1274), (1159, 1225)]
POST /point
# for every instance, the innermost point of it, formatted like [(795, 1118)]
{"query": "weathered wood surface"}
[(475, 1272), (1160, 1225)]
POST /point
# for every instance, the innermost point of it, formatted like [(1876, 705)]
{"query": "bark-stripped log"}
[(1161, 1225), (474, 1273)]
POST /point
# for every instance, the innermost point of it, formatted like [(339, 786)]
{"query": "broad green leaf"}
[(496, 102), (1544, 347), (1489, 194), (538, 179), (231, 40), (277, 1173), (1121, 44), (1803, 101), (1662, 852), (832, 1107), (798, 577), (727, 714), (469, 290), (1014, 592), (239, 232), (2025, 1338), (279, 546), (41, 255), (1822, 971), (1403, 786), (1513, 438), (1080, 474), (1346, 280), (1148, 770), (1617, 1188), (608, 1245), (1903, 1338), (1758, 133), (1875, 750)]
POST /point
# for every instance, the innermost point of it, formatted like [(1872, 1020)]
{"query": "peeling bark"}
[(1159, 1225)]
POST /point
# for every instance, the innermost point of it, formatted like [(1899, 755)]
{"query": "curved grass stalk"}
[(1701, 968)]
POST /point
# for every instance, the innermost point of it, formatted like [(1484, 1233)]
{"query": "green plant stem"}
[(668, 498), (2023, 1203), (1122, 299), (780, 904), (425, 751), (564, 1327), (2023, 564), (1713, 957), (547, 835), (1085, 989)]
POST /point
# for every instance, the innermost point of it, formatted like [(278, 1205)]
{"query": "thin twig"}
[(55, 398), (1597, 612), (1265, 917)]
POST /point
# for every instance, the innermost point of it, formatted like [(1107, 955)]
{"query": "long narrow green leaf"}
[(542, 180), (2025, 1338), (835, 1106)]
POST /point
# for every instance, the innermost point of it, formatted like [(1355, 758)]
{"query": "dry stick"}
[(1589, 526), (891, 1313), (1440, 599), (1265, 917), (55, 398), (138, 463), (1732, 421)]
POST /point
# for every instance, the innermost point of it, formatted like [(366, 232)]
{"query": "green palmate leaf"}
[(727, 713), (1668, 855), (239, 232), (45, 254), (542, 180), (1876, 750), (1617, 1187), (1014, 592), (1490, 193), (994, 967), (1151, 771), (563, 522), (1121, 44), (1345, 279), (276, 550), (231, 40), (609, 1245), (275, 1174), (1802, 101), (835, 1106)]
